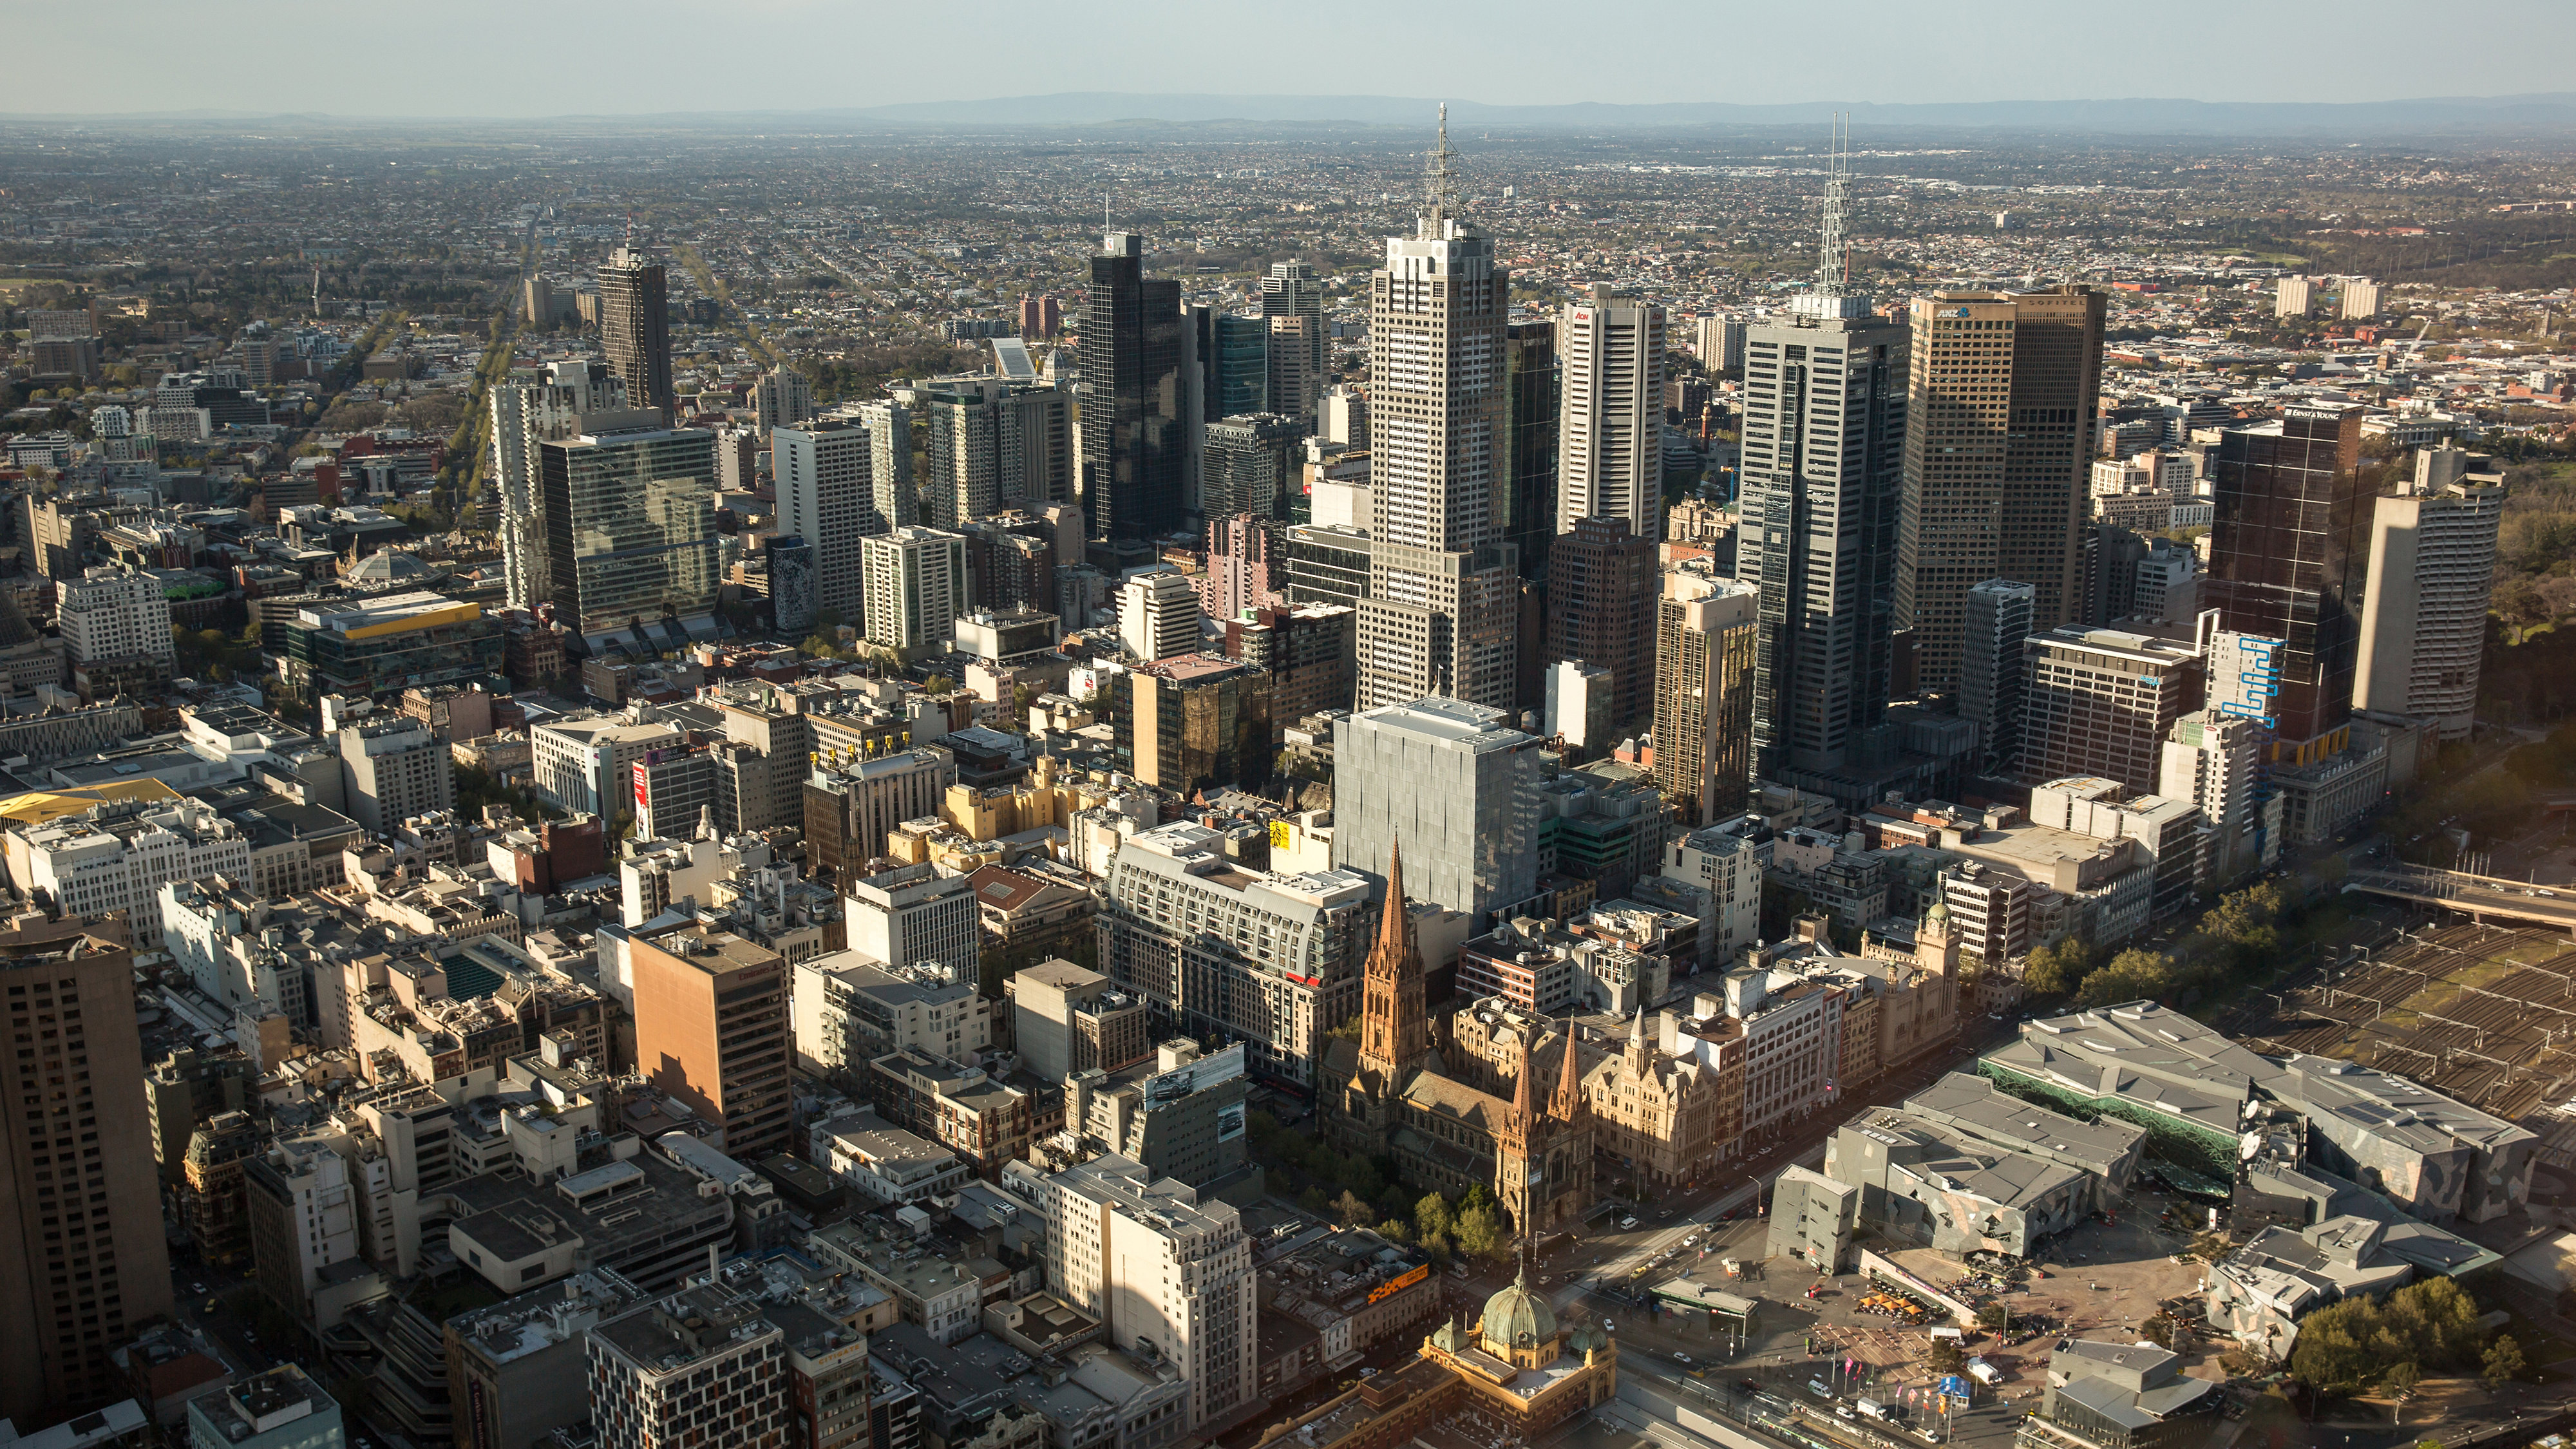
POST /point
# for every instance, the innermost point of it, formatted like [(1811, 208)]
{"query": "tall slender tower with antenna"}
[(1824, 436), (1439, 613)]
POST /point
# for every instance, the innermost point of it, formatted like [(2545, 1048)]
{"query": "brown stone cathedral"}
[(1390, 1094)]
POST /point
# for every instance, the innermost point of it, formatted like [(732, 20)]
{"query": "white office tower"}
[(113, 612), (1822, 481), (2424, 608), (1158, 615), (1990, 668), (2214, 761), (915, 586), (2292, 297), (781, 398), (1161, 1270), (889, 426), (1442, 600), (1610, 413), (823, 473), (525, 414)]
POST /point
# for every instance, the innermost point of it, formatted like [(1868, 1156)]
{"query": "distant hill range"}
[(2531, 115), (2554, 112)]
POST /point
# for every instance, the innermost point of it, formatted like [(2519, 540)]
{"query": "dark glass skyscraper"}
[(1529, 497), (635, 327), (1241, 367), (2288, 559), (1135, 448)]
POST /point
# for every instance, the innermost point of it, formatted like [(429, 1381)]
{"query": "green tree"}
[(1431, 1217), (1312, 1200), (2503, 1362), (2133, 975), (1946, 1357), (1480, 1231), (938, 684), (1352, 1210), (2056, 969), (1394, 1230)]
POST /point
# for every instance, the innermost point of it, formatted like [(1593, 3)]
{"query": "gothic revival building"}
[(1391, 1094)]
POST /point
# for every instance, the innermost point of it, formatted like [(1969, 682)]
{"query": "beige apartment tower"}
[(1610, 418), (1705, 634), (2424, 608), (1998, 436)]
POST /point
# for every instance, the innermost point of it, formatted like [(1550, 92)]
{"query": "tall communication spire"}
[(1831, 296), (1440, 181)]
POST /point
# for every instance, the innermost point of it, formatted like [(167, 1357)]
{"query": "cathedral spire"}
[(1395, 927), (1395, 1025), (1569, 1080), (1637, 1055)]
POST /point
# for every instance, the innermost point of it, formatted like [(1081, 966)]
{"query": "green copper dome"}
[(1518, 1317)]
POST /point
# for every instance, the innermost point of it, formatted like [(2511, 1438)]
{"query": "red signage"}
[(641, 803)]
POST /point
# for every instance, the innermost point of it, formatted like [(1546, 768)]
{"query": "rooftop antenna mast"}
[(1440, 181), (1832, 269)]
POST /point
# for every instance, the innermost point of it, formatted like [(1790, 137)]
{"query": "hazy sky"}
[(548, 57)]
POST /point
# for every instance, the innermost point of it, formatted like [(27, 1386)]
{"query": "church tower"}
[(1520, 1170), (1567, 1105), (1395, 1030)]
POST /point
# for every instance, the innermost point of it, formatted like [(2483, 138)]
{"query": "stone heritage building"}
[(1668, 1111), (1392, 1094)]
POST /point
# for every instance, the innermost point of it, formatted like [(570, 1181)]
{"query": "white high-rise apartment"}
[(1154, 1263), (2292, 297), (1158, 616), (826, 496), (523, 415), (1728, 861), (2214, 761), (889, 426), (781, 398), (1443, 593), (393, 770), (2360, 298), (2424, 610), (114, 613), (1719, 341), (916, 584), (1610, 419)]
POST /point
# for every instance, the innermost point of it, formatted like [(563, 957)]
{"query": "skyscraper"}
[(524, 415), (2288, 560), (1238, 361), (889, 424), (1293, 292), (2424, 615), (1601, 609), (630, 524), (916, 586), (2101, 702), (1997, 467), (1252, 462), (825, 496), (1438, 617), (1990, 669), (1135, 452), (1824, 430), (83, 1264), (1611, 437), (1705, 633), (1533, 386), (635, 327)]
